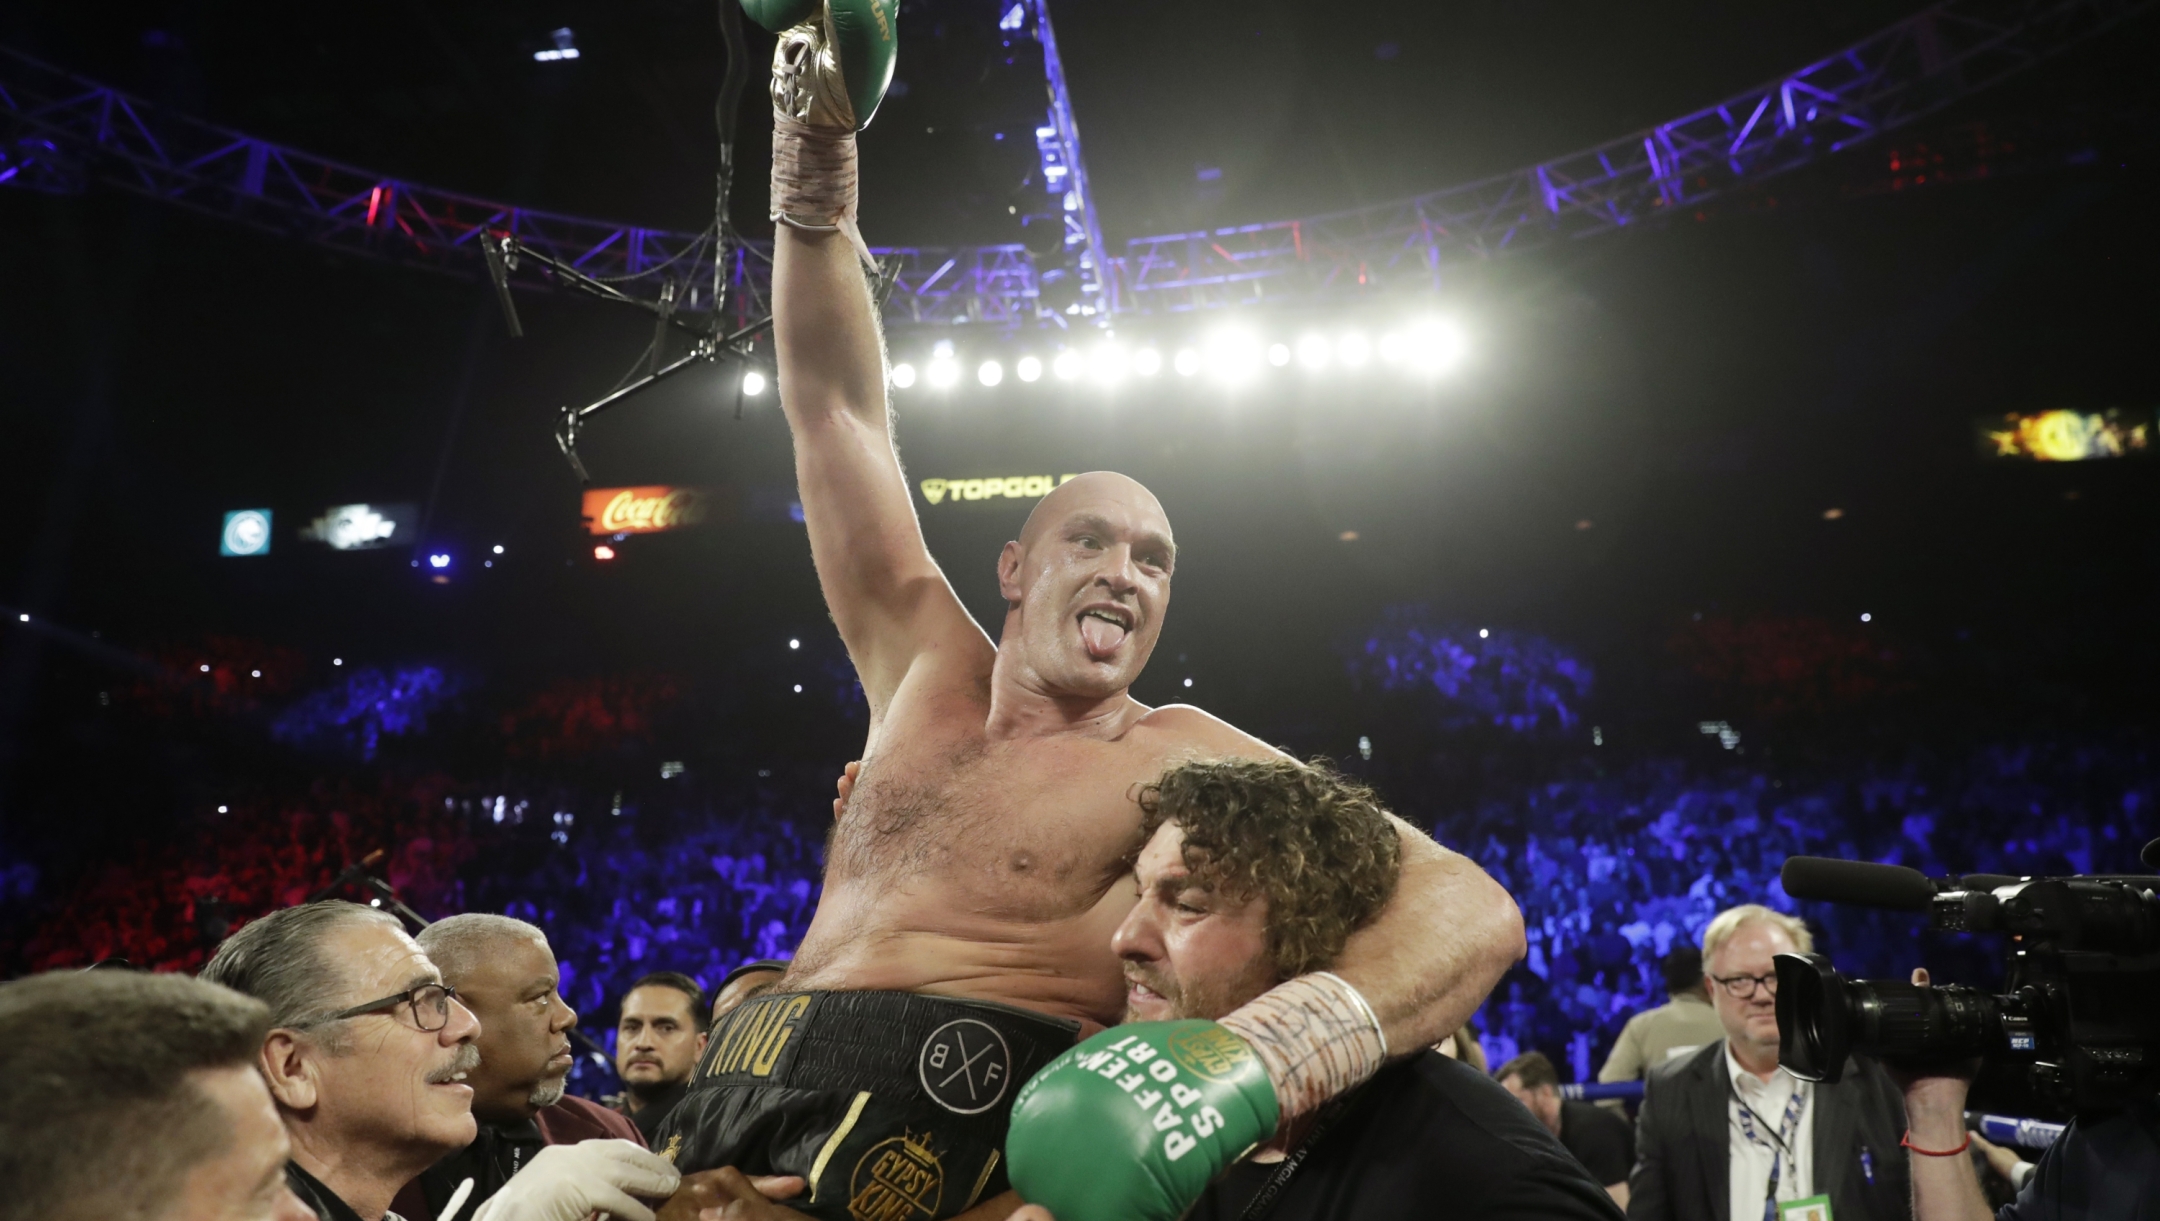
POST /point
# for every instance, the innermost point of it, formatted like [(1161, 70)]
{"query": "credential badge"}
[(965, 1066)]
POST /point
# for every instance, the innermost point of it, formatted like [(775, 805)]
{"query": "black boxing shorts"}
[(892, 1106)]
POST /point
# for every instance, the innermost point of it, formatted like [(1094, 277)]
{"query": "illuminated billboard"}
[(2066, 436), (246, 532), (644, 510), (997, 487), (362, 527)]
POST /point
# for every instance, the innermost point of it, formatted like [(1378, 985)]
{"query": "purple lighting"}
[(352, 717), (1511, 680)]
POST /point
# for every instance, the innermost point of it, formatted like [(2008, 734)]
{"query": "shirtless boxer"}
[(977, 873)]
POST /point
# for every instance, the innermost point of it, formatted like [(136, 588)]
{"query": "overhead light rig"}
[(57, 131), (711, 336)]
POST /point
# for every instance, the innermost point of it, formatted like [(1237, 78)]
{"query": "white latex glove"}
[(571, 1182)]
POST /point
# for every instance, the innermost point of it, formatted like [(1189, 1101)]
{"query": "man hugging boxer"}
[(1255, 873), (977, 873)]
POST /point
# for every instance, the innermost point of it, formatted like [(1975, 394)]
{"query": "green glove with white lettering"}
[(1134, 1123)]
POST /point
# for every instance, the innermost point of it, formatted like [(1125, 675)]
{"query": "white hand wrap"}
[(814, 181), (1317, 1037)]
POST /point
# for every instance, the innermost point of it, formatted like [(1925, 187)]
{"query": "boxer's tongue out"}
[(1101, 634)]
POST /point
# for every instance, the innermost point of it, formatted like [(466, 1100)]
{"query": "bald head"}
[(1085, 587), (1096, 488)]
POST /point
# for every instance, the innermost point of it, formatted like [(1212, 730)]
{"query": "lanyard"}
[(1263, 1201), (1787, 1129)]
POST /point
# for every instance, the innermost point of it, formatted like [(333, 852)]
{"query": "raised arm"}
[(1439, 945), (890, 601), (888, 597)]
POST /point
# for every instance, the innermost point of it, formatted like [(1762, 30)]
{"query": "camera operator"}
[(2101, 1167)]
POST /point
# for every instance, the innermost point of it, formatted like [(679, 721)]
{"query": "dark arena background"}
[(1645, 441)]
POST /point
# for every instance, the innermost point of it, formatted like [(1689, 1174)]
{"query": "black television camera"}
[(2079, 1010)]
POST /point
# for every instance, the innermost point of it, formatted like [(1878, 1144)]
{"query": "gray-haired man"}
[(127, 1095), (366, 1055)]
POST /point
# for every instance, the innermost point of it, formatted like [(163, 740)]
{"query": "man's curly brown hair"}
[(1315, 843)]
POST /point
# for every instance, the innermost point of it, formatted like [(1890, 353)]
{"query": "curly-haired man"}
[(1258, 872), (1293, 858)]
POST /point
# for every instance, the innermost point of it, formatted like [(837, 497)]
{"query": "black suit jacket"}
[(1683, 1143)]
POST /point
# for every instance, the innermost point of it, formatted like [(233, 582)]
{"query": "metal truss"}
[(58, 131), (1065, 174), (1903, 73)]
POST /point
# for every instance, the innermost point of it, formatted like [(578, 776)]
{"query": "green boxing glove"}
[(835, 57), (777, 15), (1133, 1124)]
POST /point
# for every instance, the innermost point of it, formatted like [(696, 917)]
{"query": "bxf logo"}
[(965, 1066)]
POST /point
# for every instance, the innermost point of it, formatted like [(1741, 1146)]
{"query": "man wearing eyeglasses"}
[(368, 1059), (1726, 1135), (367, 1053)]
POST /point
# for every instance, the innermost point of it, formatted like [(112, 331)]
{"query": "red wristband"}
[(1907, 1142)]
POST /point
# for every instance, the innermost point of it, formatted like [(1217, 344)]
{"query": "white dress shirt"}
[(1748, 1172)]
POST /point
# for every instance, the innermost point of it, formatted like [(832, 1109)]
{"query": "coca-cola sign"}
[(644, 510)]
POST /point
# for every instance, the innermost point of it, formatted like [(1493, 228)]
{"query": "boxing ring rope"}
[(2002, 1129)]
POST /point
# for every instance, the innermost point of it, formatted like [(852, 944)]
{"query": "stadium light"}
[(1067, 365), (1029, 369), (753, 383), (1108, 362), (1353, 350), (903, 375), (944, 371), (1278, 354), (565, 47), (991, 373), (1233, 355), (1312, 352), (1186, 362), (1147, 362), (1434, 346), (440, 559)]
